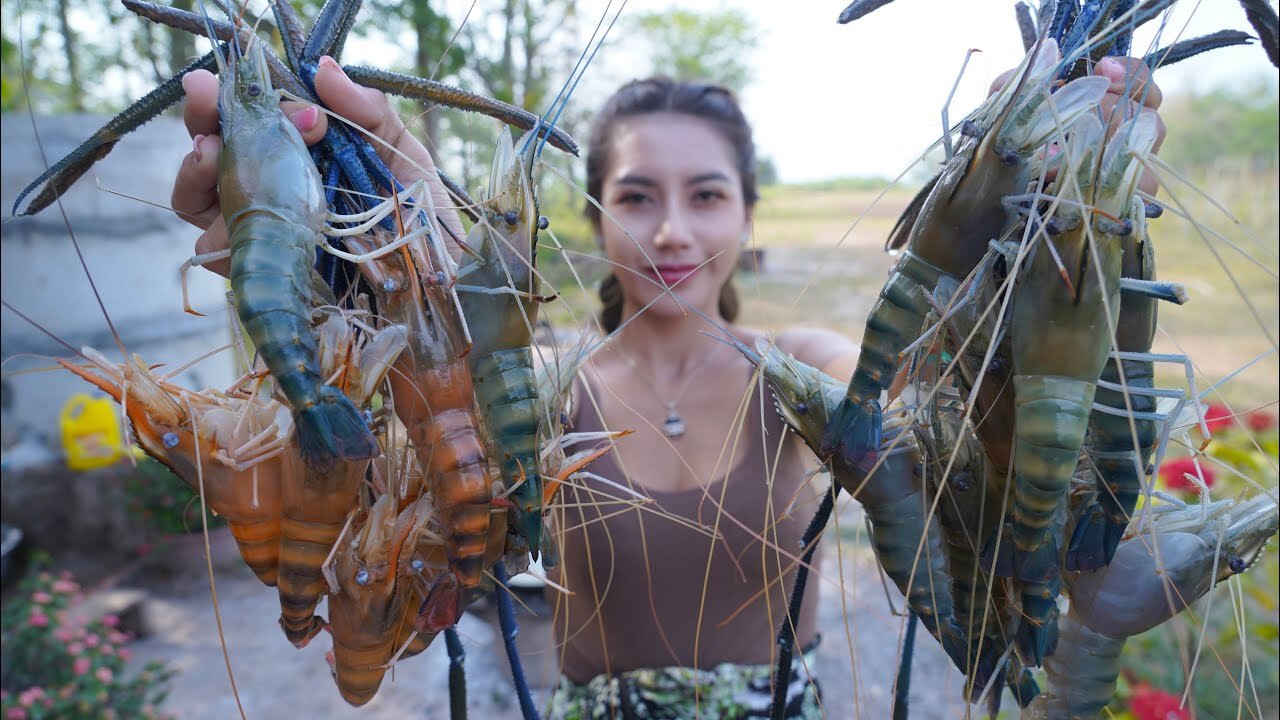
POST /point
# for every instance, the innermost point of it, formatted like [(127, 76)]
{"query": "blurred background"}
[(844, 118)]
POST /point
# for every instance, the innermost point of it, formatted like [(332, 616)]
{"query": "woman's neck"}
[(668, 347)]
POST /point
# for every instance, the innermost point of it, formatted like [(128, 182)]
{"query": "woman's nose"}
[(675, 230)]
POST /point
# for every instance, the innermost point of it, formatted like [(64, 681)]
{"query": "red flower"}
[(1218, 418), (1260, 421), (1174, 473), (1148, 703)]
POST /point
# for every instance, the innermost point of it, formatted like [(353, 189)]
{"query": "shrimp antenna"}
[(223, 62), (575, 76)]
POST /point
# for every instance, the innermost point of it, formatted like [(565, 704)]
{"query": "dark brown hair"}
[(716, 105)]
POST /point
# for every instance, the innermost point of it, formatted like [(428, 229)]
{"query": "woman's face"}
[(672, 184)]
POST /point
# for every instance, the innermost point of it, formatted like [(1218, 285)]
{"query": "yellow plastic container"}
[(91, 432)]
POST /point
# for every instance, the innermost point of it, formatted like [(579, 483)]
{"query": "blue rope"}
[(457, 675), (507, 619)]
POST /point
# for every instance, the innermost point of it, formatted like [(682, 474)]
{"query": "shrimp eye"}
[(1237, 565), (802, 408), (511, 217), (254, 90), (543, 222), (362, 577), (564, 419)]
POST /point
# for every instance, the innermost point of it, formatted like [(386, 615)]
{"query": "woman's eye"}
[(632, 198), (707, 196)]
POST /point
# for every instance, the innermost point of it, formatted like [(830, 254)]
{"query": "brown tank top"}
[(626, 613)]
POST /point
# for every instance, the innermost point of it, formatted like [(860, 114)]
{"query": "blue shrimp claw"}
[(64, 173), (854, 433)]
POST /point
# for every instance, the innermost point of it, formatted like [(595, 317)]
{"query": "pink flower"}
[(1218, 418), (63, 634), (1148, 703), (1260, 421), (65, 586), (110, 620), (1174, 472), (41, 597), (118, 637), (28, 697), (92, 640), (107, 649), (38, 619), (15, 713), (75, 648), (104, 674), (125, 654), (80, 666)]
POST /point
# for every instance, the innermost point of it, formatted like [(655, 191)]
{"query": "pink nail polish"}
[(195, 147), (306, 118)]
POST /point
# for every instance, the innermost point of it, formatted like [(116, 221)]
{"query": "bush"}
[(161, 500), (1242, 447), (56, 667)]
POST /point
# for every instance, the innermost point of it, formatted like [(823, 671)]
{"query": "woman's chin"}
[(664, 307)]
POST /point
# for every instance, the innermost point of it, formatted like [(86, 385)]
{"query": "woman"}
[(667, 614)]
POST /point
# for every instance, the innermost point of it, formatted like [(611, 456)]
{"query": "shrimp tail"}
[(332, 429), (442, 607)]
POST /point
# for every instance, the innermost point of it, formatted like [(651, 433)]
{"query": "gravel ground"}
[(277, 681)]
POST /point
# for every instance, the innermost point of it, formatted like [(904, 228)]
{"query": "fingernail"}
[(326, 60), (1110, 68), (195, 147), (306, 118)]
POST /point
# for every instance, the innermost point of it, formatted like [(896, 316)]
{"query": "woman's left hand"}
[(1132, 91)]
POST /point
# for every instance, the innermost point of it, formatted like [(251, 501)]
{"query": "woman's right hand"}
[(195, 190)]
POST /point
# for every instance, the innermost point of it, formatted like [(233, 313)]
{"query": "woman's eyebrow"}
[(704, 177), (632, 179)]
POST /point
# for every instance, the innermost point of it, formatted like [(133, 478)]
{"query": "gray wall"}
[(132, 249)]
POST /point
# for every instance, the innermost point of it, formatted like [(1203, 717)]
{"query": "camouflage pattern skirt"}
[(726, 692)]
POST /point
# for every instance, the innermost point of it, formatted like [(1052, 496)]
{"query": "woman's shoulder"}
[(821, 348)]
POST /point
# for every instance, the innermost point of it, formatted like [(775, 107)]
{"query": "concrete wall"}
[(132, 250)]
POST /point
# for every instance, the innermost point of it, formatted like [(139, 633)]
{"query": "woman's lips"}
[(672, 274)]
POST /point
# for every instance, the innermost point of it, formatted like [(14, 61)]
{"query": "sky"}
[(865, 99)]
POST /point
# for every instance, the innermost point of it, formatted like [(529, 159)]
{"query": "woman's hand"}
[(1132, 91), (195, 190)]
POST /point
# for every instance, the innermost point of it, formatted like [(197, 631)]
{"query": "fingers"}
[(212, 240), (311, 123), (1000, 81), (195, 190), (200, 113), (1131, 78), (370, 109)]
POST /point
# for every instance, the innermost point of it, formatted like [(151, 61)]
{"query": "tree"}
[(708, 47)]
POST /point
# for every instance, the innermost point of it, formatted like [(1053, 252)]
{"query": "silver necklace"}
[(673, 427)]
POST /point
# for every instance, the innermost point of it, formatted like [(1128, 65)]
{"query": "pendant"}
[(673, 426)]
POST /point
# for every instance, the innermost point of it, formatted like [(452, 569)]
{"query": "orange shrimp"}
[(433, 395), (239, 446), (366, 613), (317, 504)]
